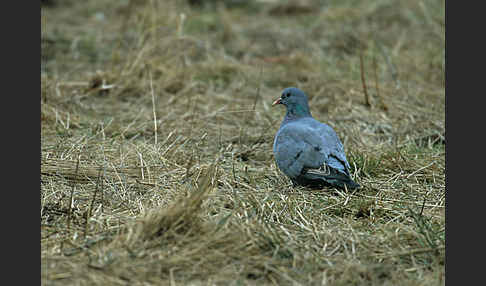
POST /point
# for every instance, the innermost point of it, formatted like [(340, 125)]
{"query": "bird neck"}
[(297, 111)]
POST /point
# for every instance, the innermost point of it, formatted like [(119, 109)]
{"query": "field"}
[(157, 132)]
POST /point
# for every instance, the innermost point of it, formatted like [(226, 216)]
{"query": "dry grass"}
[(157, 132)]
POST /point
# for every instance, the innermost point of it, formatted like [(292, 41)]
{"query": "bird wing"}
[(336, 158), (308, 144)]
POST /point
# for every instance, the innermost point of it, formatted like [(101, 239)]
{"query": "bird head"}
[(295, 101)]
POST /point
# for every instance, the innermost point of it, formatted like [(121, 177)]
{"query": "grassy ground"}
[(157, 132)]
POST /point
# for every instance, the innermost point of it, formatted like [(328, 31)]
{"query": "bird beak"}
[(278, 101)]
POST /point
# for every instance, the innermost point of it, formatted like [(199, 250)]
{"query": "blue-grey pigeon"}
[(307, 151)]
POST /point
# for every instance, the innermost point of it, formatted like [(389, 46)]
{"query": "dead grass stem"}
[(180, 187)]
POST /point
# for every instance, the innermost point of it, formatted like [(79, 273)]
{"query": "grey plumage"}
[(307, 151)]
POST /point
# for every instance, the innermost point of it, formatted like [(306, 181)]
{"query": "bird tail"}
[(342, 182), (333, 178)]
